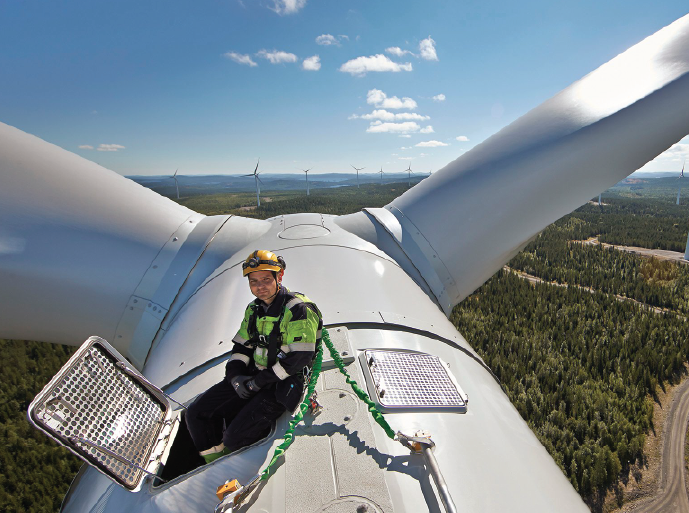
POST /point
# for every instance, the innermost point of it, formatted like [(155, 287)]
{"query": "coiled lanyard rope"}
[(416, 444), (304, 406)]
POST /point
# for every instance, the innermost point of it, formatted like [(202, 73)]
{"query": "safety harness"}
[(273, 341)]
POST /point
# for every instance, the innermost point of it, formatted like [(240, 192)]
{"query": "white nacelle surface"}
[(489, 457)]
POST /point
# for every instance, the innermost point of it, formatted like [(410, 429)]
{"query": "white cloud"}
[(677, 151), (427, 130), (110, 147), (362, 65), (376, 114), (85, 147), (391, 116), (671, 159), (462, 138), (380, 99), (431, 144), (407, 136), (240, 58), (287, 6), (375, 96), (411, 116), (427, 49), (405, 148), (397, 51), (378, 127), (312, 63), (439, 98), (277, 57), (405, 158), (328, 40)]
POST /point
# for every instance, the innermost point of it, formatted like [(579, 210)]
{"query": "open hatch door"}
[(106, 413)]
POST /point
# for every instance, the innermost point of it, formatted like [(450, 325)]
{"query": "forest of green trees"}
[(34, 472), (646, 223), (553, 256), (581, 366), (334, 201)]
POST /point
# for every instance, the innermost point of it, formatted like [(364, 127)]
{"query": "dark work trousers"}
[(220, 415)]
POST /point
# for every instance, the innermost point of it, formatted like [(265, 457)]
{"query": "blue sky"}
[(146, 87)]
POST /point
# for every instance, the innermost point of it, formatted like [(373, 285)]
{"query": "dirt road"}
[(660, 254), (671, 496)]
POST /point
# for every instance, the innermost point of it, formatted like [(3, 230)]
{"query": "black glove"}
[(252, 386), (239, 385)]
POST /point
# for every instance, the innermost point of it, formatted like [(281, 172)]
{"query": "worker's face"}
[(263, 285)]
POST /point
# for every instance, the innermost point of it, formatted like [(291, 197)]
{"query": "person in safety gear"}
[(264, 377)]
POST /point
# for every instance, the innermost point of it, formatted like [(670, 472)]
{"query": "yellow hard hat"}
[(263, 260)]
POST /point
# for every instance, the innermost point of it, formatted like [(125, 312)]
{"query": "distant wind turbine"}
[(381, 174), (357, 174), (257, 180), (599, 196), (681, 175), (307, 179), (409, 173), (174, 177)]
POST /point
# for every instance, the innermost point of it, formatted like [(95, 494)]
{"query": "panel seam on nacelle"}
[(428, 280), (431, 256), (131, 320), (196, 262)]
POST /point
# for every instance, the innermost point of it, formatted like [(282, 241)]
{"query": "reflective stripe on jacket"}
[(300, 329)]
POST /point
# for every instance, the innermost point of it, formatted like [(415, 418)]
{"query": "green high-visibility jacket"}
[(300, 326)]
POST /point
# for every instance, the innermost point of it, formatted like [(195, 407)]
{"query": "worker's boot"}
[(214, 453)]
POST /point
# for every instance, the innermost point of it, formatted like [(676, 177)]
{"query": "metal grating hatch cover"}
[(409, 380), (106, 413)]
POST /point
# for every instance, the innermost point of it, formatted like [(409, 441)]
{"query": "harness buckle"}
[(262, 341)]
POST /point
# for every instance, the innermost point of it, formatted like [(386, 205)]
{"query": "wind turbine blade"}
[(496, 197), (256, 169), (260, 181), (79, 273), (175, 172)]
